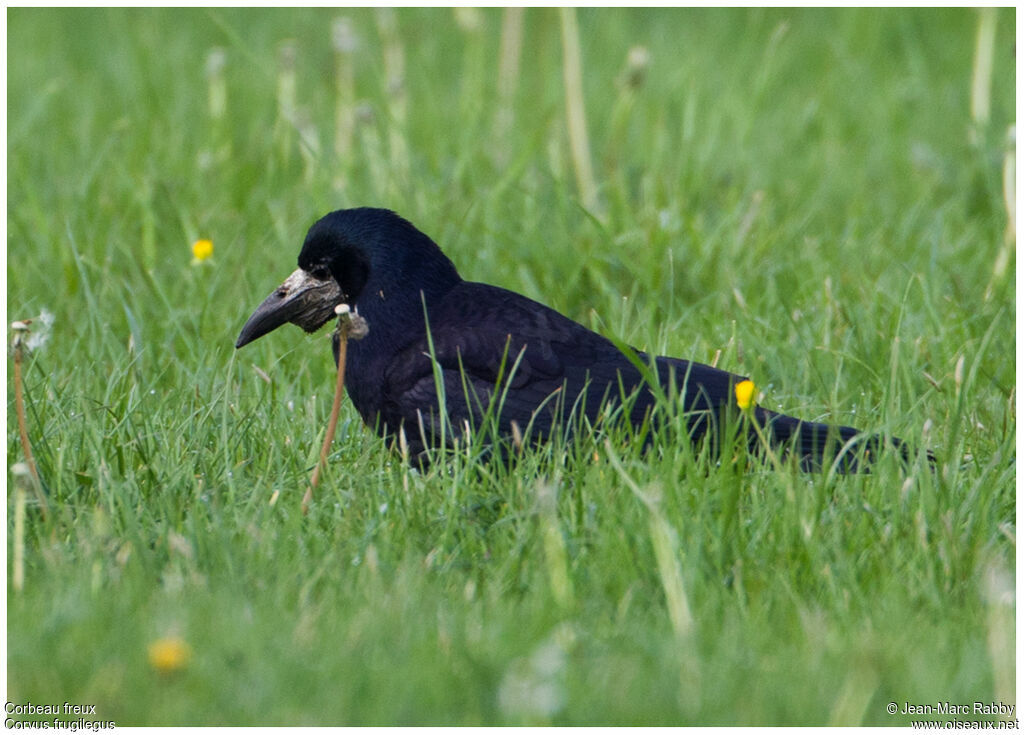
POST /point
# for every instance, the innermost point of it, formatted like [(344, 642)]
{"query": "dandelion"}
[(637, 61), (202, 251), (41, 334), (533, 688), (168, 655), (745, 394), (32, 334)]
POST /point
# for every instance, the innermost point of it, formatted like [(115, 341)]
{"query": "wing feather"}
[(494, 346)]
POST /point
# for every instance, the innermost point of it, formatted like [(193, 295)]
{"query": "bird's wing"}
[(494, 346), (489, 344)]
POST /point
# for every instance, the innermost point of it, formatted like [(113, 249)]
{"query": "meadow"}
[(814, 198)]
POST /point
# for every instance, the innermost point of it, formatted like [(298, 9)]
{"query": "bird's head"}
[(346, 254)]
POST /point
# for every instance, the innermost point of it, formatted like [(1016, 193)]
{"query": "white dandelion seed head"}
[(37, 340), (639, 58), (534, 686), (343, 36), (20, 469), (215, 61)]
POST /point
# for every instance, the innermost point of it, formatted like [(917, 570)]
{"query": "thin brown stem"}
[(19, 407), (348, 325), (332, 425)]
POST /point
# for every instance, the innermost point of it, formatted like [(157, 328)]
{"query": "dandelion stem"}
[(749, 417), (576, 117), (217, 91), (19, 407), (286, 86), (348, 325), (508, 76), (554, 547), (999, 598), (18, 577), (309, 142), (371, 147), (1010, 184), (665, 541), (631, 81), (344, 41), (217, 106), (981, 78), (1010, 201), (471, 22), (332, 425), (394, 71)]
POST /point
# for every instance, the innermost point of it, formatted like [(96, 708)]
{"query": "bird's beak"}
[(302, 299)]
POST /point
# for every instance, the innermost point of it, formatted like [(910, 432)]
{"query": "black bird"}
[(491, 344)]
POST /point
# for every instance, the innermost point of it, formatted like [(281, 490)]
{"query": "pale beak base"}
[(302, 300)]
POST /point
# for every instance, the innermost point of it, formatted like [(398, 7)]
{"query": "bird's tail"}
[(821, 446)]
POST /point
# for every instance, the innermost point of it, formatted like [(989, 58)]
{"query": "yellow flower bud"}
[(745, 392), (202, 250), (168, 655)]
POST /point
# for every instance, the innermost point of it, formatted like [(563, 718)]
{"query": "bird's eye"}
[(321, 273)]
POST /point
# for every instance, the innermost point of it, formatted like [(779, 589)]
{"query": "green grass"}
[(792, 191)]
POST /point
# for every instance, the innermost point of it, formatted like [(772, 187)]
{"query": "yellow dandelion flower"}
[(202, 250), (168, 655), (745, 394)]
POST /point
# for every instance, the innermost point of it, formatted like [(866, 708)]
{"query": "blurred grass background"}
[(802, 195)]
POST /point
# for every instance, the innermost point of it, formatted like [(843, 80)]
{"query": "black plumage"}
[(487, 340)]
